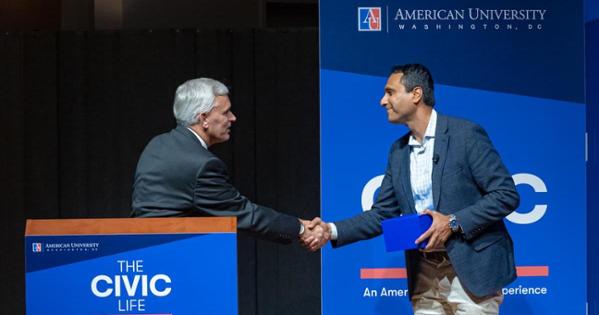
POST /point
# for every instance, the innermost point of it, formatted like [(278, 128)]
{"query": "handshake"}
[(316, 234)]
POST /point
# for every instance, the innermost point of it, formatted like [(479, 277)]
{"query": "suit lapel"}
[(440, 151), (404, 160)]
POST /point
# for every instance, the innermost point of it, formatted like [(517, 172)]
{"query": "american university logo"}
[(36, 247), (369, 19)]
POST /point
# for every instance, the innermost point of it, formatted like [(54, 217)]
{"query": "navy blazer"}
[(177, 176), (470, 181)]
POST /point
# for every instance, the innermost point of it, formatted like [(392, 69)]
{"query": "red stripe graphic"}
[(533, 271), (401, 273), (383, 273)]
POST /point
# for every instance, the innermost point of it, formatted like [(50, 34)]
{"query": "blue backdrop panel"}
[(499, 78), (132, 274)]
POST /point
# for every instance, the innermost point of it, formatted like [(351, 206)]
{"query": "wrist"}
[(454, 225)]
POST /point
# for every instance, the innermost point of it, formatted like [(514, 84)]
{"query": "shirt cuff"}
[(333, 231)]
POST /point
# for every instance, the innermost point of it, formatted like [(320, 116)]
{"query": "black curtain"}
[(77, 108)]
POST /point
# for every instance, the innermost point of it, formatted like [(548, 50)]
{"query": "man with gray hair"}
[(178, 176)]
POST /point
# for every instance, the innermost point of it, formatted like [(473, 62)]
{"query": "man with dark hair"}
[(449, 165)]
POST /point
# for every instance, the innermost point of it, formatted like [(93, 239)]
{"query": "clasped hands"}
[(316, 234)]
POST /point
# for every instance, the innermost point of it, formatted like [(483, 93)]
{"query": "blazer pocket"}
[(486, 241)]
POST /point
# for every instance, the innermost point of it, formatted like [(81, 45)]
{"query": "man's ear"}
[(203, 120), (417, 95)]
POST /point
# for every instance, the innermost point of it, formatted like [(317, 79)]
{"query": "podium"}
[(159, 266)]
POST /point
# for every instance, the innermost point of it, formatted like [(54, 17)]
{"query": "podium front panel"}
[(176, 273)]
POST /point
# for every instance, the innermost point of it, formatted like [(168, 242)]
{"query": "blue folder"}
[(400, 233)]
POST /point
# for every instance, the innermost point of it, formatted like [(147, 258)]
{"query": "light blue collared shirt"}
[(421, 166)]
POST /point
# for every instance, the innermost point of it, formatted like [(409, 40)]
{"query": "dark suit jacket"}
[(177, 176), (470, 181)]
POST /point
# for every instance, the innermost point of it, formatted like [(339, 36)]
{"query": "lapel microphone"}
[(435, 158)]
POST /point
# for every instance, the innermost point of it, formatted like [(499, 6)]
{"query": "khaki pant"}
[(438, 291)]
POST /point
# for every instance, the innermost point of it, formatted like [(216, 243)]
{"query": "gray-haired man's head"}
[(195, 97), (203, 105)]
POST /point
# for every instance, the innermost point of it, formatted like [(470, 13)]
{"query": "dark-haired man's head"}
[(409, 87), (417, 75)]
